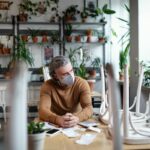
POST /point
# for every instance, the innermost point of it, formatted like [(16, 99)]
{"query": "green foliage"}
[(55, 37), (33, 7), (68, 29), (35, 127), (146, 80), (96, 62), (28, 6), (22, 53), (123, 57), (125, 41), (73, 55), (99, 11), (81, 71), (71, 12), (33, 32), (107, 11), (84, 14)]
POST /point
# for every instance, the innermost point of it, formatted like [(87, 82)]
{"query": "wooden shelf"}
[(5, 55)]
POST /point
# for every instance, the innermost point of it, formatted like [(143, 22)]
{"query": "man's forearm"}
[(85, 114), (47, 115)]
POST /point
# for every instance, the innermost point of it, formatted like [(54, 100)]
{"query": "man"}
[(65, 100)]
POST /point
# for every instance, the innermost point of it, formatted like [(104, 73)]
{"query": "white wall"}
[(112, 51), (118, 27), (144, 30), (94, 50)]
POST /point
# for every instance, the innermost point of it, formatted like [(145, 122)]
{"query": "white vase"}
[(36, 141)]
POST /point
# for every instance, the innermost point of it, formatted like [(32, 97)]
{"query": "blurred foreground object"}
[(17, 95)]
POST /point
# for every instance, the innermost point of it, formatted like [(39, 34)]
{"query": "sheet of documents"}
[(88, 124), (71, 132), (48, 125), (86, 139)]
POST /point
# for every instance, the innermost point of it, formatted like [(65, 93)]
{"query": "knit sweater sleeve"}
[(85, 101), (45, 112)]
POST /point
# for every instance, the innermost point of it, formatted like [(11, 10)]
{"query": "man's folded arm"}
[(45, 113)]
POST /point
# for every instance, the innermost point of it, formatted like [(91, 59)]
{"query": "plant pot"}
[(35, 39), (36, 141), (78, 38), (84, 19), (68, 18), (44, 39), (89, 32), (69, 38), (92, 73), (88, 39), (6, 50), (23, 17), (24, 38), (101, 40)]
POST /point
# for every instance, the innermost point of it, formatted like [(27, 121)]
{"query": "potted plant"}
[(123, 59), (73, 55), (89, 34), (68, 32), (146, 80), (95, 12), (84, 16), (24, 37), (36, 135), (70, 13), (54, 37), (44, 38), (95, 65), (21, 53), (78, 38), (25, 8), (81, 71), (33, 33)]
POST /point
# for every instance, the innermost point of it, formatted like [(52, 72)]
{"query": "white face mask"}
[(68, 79)]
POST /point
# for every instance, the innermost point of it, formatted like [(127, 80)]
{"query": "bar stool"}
[(2, 101)]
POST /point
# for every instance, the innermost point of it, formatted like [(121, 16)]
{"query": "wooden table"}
[(101, 142)]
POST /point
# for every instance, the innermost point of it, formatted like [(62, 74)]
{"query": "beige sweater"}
[(56, 100)]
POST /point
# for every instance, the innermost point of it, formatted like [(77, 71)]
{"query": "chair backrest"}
[(46, 73)]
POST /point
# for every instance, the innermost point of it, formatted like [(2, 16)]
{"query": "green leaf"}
[(107, 11)]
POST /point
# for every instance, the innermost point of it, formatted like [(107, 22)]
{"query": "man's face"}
[(64, 71)]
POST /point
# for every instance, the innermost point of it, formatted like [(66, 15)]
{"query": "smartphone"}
[(52, 132)]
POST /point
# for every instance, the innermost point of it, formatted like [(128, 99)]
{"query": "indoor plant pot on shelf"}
[(21, 53), (36, 135)]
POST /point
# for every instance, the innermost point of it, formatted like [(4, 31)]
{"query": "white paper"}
[(70, 132), (88, 124), (86, 139), (48, 125), (94, 129)]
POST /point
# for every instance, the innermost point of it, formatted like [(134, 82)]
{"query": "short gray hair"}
[(57, 62)]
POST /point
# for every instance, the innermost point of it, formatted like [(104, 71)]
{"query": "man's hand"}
[(67, 120)]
